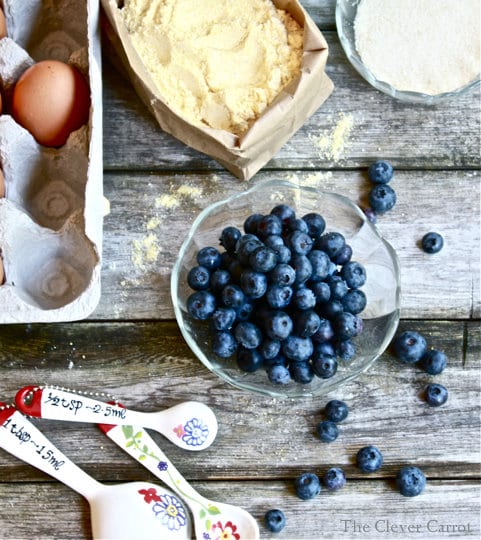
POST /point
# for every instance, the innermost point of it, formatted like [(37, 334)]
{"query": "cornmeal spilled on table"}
[(216, 63)]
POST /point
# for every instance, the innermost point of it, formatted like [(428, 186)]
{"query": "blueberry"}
[(284, 212), (410, 481), (334, 479), (275, 520), (320, 263), (346, 325), (298, 224), (380, 172), (409, 346), (303, 298), (330, 310), (307, 323), (250, 224), (354, 301), (382, 198), (223, 344), (327, 431), (278, 325), (269, 225), (432, 242), (336, 410), (279, 297), (232, 296), (244, 311), (297, 349), (209, 257), (344, 256), (253, 284), (369, 459), (283, 274), (316, 224), (223, 318), (249, 360), (279, 374), (321, 290), (248, 335), (198, 278), (332, 243), (299, 243), (354, 274), (307, 486), (324, 366), (219, 279), (436, 394), (346, 350), (337, 286), (434, 362), (283, 254), (278, 360), (245, 246), (303, 267), (270, 348), (301, 372), (235, 270), (229, 237), (324, 349), (201, 305), (324, 333), (262, 259)]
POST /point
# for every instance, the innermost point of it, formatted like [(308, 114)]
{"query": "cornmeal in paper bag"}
[(234, 81)]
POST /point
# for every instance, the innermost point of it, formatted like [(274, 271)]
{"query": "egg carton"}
[(51, 218)]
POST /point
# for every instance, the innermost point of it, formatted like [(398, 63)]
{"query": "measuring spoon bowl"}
[(190, 425)]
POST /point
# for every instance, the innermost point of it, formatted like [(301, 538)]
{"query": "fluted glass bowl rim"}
[(263, 386), (403, 95)]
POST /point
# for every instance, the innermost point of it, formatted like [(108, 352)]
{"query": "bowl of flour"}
[(420, 51)]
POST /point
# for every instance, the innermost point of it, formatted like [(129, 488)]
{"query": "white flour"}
[(429, 46)]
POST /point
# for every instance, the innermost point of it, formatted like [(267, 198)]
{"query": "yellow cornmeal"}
[(216, 63)]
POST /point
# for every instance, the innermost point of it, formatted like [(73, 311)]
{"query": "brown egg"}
[(3, 25), (2, 184), (51, 99)]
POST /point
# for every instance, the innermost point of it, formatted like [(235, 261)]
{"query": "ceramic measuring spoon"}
[(118, 512), (191, 425), (211, 519)]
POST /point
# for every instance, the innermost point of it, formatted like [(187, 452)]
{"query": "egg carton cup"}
[(51, 218)]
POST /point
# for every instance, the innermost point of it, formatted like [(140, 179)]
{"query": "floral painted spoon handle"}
[(191, 425), (211, 519)]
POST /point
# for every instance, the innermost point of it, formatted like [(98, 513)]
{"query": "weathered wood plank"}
[(364, 509), (148, 367), (141, 244), (356, 125)]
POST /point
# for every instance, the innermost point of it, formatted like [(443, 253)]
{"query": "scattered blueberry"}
[(410, 481), (334, 479), (275, 520), (434, 362), (336, 410), (436, 394), (369, 459), (380, 172), (307, 486), (327, 431), (409, 346), (382, 198), (432, 242)]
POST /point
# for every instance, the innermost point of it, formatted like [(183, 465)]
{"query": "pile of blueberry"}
[(284, 295)]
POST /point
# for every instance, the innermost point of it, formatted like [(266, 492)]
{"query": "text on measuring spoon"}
[(76, 404)]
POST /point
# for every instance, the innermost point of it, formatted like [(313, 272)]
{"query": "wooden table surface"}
[(131, 345)]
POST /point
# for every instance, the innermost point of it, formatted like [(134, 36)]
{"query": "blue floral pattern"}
[(195, 433), (171, 512)]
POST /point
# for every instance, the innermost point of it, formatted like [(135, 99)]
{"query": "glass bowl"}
[(345, 15), (382, 288)]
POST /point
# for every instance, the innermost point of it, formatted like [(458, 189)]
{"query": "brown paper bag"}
[(243, 155)]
